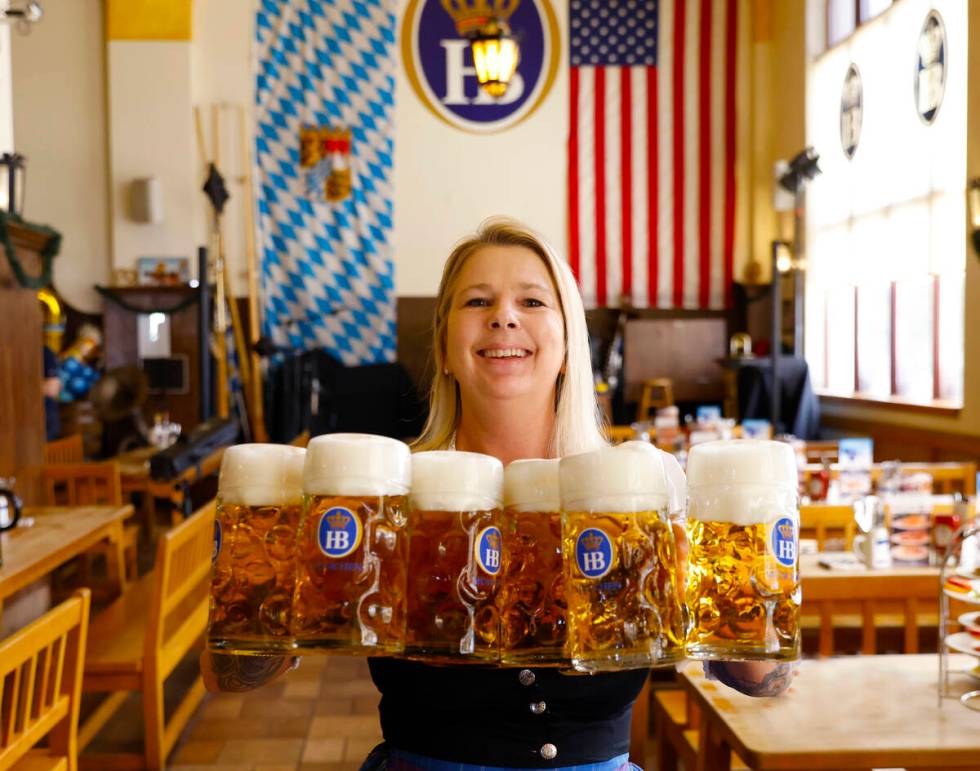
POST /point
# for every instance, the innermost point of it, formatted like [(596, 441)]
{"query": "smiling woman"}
[(510, 330)]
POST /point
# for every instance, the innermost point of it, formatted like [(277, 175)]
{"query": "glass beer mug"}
[(531, 595), (624, 608), (743, 587), (454, 557), (351, 550), (260, 499)]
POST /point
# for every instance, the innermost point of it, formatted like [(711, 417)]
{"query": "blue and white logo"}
[(784, 542), (439, 63), (217, 542), (930, 67), (593, 553), (488, 544), (339, 533)]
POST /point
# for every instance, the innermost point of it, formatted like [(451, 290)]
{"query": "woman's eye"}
[(532, 302), (477, 302)]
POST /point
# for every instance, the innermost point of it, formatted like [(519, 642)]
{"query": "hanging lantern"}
[(495, 56)]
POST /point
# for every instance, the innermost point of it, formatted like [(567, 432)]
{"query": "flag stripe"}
[(730, 151), (600, 184), (704, 124), (678, 119), (574, 253), (626, 164), (653, 190)]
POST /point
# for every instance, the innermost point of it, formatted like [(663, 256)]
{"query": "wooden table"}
[(850, 712), (134, 473), (58, 534)]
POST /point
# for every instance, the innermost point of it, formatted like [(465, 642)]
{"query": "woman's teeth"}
[(504, 353)]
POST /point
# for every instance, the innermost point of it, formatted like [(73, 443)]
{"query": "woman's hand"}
[(237, 673), (753, 678)]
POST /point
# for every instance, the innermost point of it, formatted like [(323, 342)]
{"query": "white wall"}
[(59, 124), (151, 132)]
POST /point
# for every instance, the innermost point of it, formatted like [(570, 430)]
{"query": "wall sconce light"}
[(973, 202), (23, 15), (13, 180), (495, 50), (146, 200)]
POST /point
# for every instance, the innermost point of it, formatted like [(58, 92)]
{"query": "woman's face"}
[(505, 334)]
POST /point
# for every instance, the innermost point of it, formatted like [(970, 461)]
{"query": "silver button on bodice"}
[(526, 677), (549, 751), (537, 707)]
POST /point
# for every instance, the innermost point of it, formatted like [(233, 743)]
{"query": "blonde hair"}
[(578, 423)]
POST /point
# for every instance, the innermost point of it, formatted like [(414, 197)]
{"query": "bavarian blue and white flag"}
[(324, 140)]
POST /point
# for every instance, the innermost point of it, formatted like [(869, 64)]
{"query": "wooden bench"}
[(136, 643), (676, 726), (41, 688)]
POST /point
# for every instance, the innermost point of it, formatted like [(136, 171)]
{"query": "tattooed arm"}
[(230, 672), (753, 678)]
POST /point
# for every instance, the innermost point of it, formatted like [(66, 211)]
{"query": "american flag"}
[(651, 151)]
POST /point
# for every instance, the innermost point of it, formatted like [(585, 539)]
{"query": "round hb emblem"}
[(488, 550), (851, 111), (339, 533), (439, 63), (930, 67), (784, 542), (593, 553), (217, 542)]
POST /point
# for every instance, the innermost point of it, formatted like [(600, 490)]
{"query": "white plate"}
[(963, 643), (974, 673), (972, 596), (970, 621)]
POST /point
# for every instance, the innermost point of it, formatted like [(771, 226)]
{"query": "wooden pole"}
[(256, 408)]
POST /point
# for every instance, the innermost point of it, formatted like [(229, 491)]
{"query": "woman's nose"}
[(504, 316)]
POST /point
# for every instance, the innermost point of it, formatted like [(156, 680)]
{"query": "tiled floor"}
[(322, 716)]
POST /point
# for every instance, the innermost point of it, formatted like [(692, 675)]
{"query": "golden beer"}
[(620, 560), (743, 586), (351, 549), (454, 557), (260, 500), (531, 594)]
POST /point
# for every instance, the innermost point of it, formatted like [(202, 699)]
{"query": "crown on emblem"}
[(470, 15), (494, 540), (337, 520), (786, 531), (592, 542)]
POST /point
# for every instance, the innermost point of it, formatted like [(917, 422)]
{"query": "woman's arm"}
[(753, 678), (236, 673)]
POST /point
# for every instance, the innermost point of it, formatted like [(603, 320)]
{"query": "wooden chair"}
[(620, 434), (820, 522), (68, 449), (874, 602), (91, 484), (678, 731), (136, 643), (41, 686), (657, 392)]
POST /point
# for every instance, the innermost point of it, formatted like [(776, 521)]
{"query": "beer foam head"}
[(259, 475), (357, 464), (626, 478), (742, 481), (676, 483), (532, 485), (456, 481), (295, 460)]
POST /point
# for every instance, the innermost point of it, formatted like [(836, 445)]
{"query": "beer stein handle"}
[(13, 504)]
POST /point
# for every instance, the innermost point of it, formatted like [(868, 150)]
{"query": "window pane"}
[(840, 339), (840, 20), (871, 8), (913, 338), (874, 339), (951, 294)]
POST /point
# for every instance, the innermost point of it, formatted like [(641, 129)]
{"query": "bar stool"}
[(657, 392)]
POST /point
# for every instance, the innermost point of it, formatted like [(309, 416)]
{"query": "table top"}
[(810, 569), (850, 712), (136, 463), (58, 534)]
